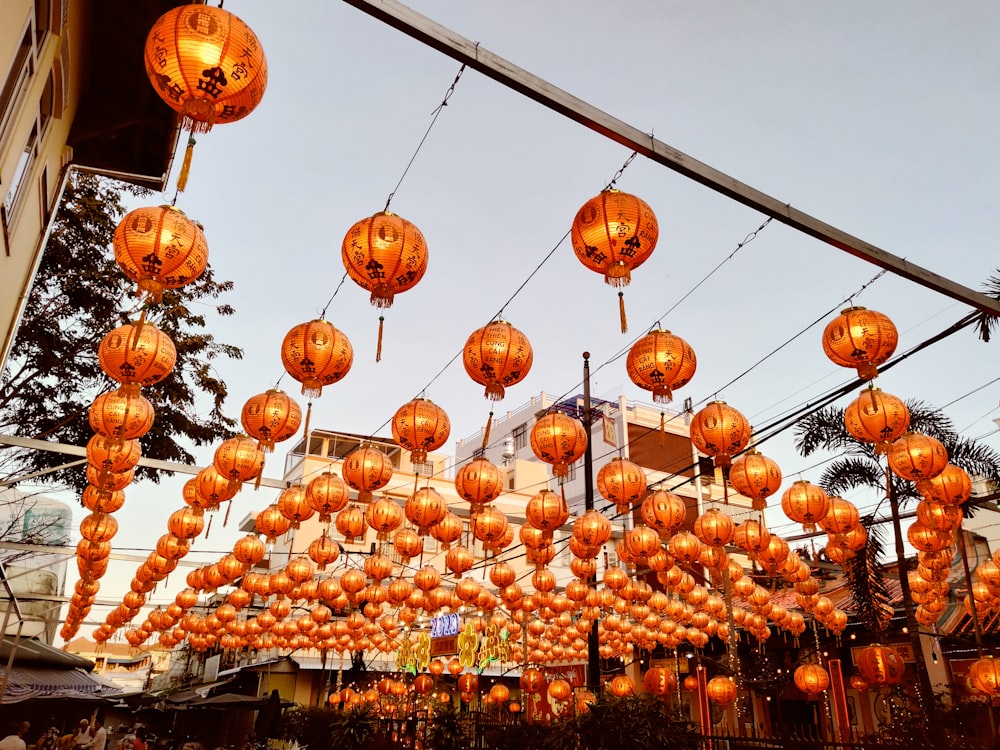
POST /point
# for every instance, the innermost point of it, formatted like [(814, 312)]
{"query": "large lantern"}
[(113, 455), (547, 511), (755, 476), (384, 516), (271, 523), (659, 681), (479, 482), (592, 529), (292, 504), (121, 414), (877, 417), (622, 482), (425, 508), (614, 233), (420, 426), (806, 503), (559, 440), (239, 458), (860, 338), (385, 255), (271, 417), (159, 248), (206, 64), (952, 486), (917, 456), (880, 665), (984, 675), (721, 690), (811, 679), (661, 362), (316, 354), (663, 511), (497, 356), (714, 528), (137, 354), (186, 523), (367, 469), (720, 431), (326, 494), (841, 517)]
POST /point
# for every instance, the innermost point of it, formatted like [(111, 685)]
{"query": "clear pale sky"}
[(879, 118)]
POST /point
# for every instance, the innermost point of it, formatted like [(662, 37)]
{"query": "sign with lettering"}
[(444, 646), (443, 626)]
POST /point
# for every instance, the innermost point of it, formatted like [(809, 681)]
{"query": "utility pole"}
[(593, 644)]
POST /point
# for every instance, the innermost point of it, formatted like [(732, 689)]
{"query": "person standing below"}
[(83, 737), (139, 743), (16, 741), (100, 738)]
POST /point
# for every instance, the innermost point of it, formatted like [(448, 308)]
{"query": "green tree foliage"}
[(985, 322), (80, 294)]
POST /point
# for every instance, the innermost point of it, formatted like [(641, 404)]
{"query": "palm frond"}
[(849, 473), (985, 322), (929, 420), (824, 428), (867, 583)]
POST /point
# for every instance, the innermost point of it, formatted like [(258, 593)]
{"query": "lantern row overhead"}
[(207, 80)]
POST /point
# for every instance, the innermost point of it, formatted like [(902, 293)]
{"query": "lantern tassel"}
[(225, 519), (208, 527), (378, 347), (305, 431), (621, 311), (486, 432), (182, 177), (663, 429), (256, 481)]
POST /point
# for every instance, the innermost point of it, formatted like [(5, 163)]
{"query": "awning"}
[(28, 683)]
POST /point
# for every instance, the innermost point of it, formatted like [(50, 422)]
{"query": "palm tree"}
[(858, 465), (985, 322)]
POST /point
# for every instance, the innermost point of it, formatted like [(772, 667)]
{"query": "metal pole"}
[(475, 56), (593, 642)]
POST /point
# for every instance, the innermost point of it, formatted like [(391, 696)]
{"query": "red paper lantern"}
[(497, 356), (661, 362)]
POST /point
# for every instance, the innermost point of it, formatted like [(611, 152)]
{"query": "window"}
[(520, 435), (22, 68), (24, 164)]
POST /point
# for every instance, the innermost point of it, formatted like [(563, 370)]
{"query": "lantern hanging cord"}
[(322, 313), (620, 171), (436, 114)]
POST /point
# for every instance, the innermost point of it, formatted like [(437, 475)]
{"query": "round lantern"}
[(468, 682), (385, 255), (621, 686), (326, 494), (560, 690), (499, 693), (214, 488), (622, 482), (984, 675), (547, 511), (425, 508), (323, 551), (408, 544), (876, 417), (721, 690), (805, 503), (559, 440), (102, 500), (384, 516), (479, 482), (447, 530), (917, 456), (351, 523), (367, 469), (755, 476), (420, 426), (811, 679), (715, 528), (239, 458), (614, 233), (137, 354), (661, 362), (880, 665), (659, 681), (186, 523), (271, 523), (951, 487), (641, 542), (860, 338), (927, 539), (751, 536), (690, 683), (316, 354), (488, 525), (720, 431), (121, 415), (159, 248), (532, 681), (663, 511), (271, 417), (592, 529), (113, 455), (249, 550), (206, 64), (858, 682), (98, 527), (841, 517), (497, 356)]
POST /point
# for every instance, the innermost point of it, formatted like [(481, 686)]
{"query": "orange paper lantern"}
[(271, 417), (622, 482), (661, 362), (497, 356), (137, 354), (755, 476), (420, 426), (316, 354), (720, 431), (877, 417), (159, 248), (860, 338), (367, 469), (559, 440)]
